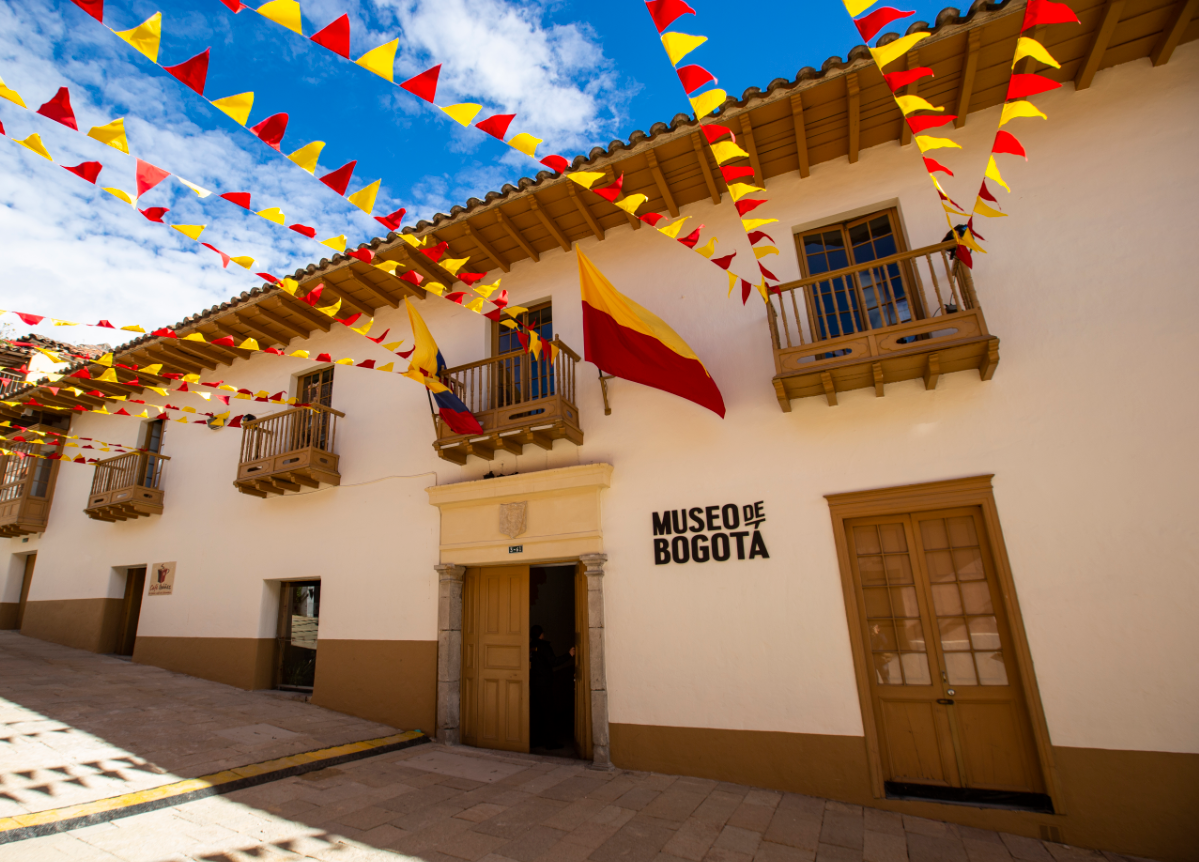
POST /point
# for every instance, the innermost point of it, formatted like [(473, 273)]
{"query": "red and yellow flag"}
[(624, 339)]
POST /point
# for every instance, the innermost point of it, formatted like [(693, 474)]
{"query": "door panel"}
[(26, 583), (582, 666), (990, 734), (496, 629), (468, 719), (913, 743)]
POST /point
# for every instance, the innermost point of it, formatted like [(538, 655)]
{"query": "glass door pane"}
[(299, 624), (883, 289)]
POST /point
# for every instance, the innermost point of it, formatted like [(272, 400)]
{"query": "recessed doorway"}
[(131, 610), (299, 622)]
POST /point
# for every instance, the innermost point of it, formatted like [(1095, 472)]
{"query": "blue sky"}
[(576, 74)]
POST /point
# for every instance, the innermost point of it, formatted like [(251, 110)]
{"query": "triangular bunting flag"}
[(424, 85)]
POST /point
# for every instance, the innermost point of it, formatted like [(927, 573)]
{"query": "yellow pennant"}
[(857, 7), (346, 361), (195, 336), (751, 223), (463, 113), (192, 231), (732, 282), (982, 208), (151, 369), (236, 107), (927, 142), (11, 95), (1027, 47), (337, 243), (992, 173), (250, 344), (967, 239), (708, 249), (525, 143), (1021, 108), (393, 346), (911, 104), (364, 198), (145, 36), (630, 203), (283, 12), (726, 151), (764, 250), (112, 134), (454, 264), (331, 310), (706, 103), (412, 240), (105, 360), (202, 193), (303, 354), (390, 366), (586, 179), (273, 214), (109, 376), (380, 60), (679, 45), (123, 195), (244, 261), (673, 230), (289, 285), (307, 155), (486, 290), (365, 328), (888, 54), (34, 143), (434, 287), (388, 266), (739, 190), (475, 305)]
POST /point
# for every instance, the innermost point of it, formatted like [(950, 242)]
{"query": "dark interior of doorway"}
[(299, 616), (976, 798), (551, 678), (131, 611)]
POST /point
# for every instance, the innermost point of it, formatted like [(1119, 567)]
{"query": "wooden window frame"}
[(304, 375), (496, 329), (973, 491)]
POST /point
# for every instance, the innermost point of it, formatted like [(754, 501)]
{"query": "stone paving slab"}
[(426, 804)]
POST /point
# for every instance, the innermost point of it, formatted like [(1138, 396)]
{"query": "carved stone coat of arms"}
[(513, 518)]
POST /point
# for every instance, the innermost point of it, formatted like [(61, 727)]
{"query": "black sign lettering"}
[(703, 533), (699, 548), (731, 516), (680, 549), (720, 547), (697, 520), (661, 552), (710, 518), (740, 537), (662, 524), (757, 547)]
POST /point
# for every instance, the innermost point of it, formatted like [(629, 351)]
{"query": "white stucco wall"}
[(1087, 426)]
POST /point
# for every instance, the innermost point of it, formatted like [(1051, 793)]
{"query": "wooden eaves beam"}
[(1172, 35), (304, 310), (853, 106), (613, 173), (283, 323), (173, 359), (346, 299), (215, 353), (379, 296), (237, 336), (584, 211), (974, 41), (204, 360), (747, 132), (660, 182), (514, 232), (548, 223), (1103, 36), (486, 248), (258, 331), (912, 89), (701, 154), (413, 259), (801, 135)]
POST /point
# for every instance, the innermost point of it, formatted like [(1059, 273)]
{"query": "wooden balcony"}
[(912, 315), (10, 382), (289, 450), (126, 487), (26, 487), (518, 401)]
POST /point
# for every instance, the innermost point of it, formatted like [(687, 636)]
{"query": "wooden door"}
[(135, 586), (495, 658), (30, 562), (944, 683), (582, 666)]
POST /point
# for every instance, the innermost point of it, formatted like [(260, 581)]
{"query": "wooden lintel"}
[(486, 248), (1103, 36), (830, 389), (634, 222), (306, 311), (912, 89), (877, 369), (986, 369), (282, 322), (932, 371), (701, 153), (801, 135), (584, 211), (660, 181), (747, 134), (1172, 35), (974, 41), (548, 223), (853, 105), (503, 221)]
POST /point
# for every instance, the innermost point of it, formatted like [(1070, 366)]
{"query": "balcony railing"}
[(10, 381), (517, 399), (126, 487), (289, 450), (911, 315), (26, 488)]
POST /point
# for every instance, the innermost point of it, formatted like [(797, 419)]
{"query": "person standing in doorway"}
[(544, 661)]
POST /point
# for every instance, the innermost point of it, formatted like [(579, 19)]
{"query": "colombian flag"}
[(624, 339), (425, 367)]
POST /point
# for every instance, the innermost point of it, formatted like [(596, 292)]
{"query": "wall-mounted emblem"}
[(162, 579), (514, 518)]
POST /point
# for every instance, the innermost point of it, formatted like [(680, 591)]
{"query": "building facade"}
[(936, 558)]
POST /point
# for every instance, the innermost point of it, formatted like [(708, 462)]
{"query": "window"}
[(522, 377), (316, 388), (869, 298), (153, 445), (312, 426)]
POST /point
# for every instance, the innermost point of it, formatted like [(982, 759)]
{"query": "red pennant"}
[(691, 239), (59, 109), (235, 6), (757, 236), (770, 275), (242, 199), (746, 290), (651, 219), (1047, 12), (363, 254), (336, 37), (963, 254), (235, 422), (746, 204), (471, 278), (271, 130), (405, 354), (148, 176), (869, 25), (436, 252), (154, 213), (666, 11), (724, 262), (557, 164), (455, 297), (224, 257), (932, 166), (392, 222), (693, 77), (496, 125), (351, 320), (731, 174), (86, 170), (895, 80), (163, 333), (412, 277), (224, 341), (313, 295), (266, 276), (523, 338), (30, 319), (985, 193), (379, 340), (1022, 86), (82, 373), (366, 363), (1006, 142), (193, 73), (929, 121), (424, 86), (339, 179), (611, 191), (324, 357), (309, 232), (714, 132), (95, 8), (977, 235)]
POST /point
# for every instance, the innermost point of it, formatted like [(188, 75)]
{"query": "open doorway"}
[(299, 620), (552, 666), (131, 610), (26, 583)]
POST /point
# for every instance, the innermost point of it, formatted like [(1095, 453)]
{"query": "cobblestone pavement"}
[(79, 726)]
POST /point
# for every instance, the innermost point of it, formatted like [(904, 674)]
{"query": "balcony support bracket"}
[(830, 389), (933, 371), (877, 368), (990, 360)]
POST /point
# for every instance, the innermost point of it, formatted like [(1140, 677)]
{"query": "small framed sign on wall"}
[(162, 579)]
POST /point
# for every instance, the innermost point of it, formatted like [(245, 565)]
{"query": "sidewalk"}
[(77, 727)]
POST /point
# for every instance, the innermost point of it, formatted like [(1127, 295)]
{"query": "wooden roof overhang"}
[(817, 117)]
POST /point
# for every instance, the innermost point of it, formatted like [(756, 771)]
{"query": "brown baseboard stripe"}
[(38, 823)]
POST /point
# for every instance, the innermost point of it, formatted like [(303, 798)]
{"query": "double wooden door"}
[(945, 686)]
